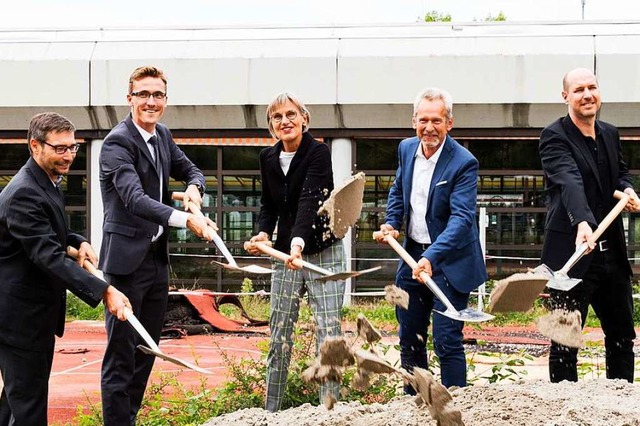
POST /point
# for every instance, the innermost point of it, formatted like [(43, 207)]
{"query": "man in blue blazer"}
[(435, 193), (136, 161)]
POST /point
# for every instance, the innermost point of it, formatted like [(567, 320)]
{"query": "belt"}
[(602, 245), (422, 246)]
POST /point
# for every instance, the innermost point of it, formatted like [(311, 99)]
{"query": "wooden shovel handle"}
[(388, 237), (193, 208), (398, 248), (73, 252), (265, 247), (613, 214)]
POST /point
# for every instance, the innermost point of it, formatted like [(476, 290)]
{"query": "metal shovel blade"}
[(557, 280), (153, 349), (249, 269), (563, 282), (174, 360), (346, 274), (468, 314), (543, 270)]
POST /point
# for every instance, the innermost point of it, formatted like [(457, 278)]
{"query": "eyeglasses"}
[(277, 117), (61, 149), (158, 96)]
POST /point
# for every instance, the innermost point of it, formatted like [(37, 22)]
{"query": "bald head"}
[(582, 95), (578, 73)]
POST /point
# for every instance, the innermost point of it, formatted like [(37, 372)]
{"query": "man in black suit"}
[(136, 161), (35, 271), (582, 162)]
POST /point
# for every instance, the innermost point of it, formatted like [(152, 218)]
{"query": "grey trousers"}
[(325, 299)]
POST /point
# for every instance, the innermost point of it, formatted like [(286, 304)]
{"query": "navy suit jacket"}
[(451, 212), (575, 191), (35, 271), (130, 184)]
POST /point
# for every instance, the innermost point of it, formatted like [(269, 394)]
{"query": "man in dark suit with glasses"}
[(35, 272), (137, 158)]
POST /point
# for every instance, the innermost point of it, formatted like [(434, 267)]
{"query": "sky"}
[(136, 13)]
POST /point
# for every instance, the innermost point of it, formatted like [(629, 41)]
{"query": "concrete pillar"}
[(342, 162), (94, 197)]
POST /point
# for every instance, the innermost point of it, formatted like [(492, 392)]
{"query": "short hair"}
[(281, 99), (434, 94), (144, 72), (47, 122)]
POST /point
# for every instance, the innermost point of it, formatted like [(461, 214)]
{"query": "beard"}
[(430, 144)]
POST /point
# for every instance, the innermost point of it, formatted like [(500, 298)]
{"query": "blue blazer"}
[(451, 212), (130, 184)]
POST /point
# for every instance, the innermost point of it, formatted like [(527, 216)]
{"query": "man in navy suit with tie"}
[(435, 193), (136, 161)]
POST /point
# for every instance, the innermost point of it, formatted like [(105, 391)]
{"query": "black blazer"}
[(575, 192), (130, 185), (292, 201), (34, 269)]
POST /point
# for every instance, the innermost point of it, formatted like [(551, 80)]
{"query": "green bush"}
[(78, 310)]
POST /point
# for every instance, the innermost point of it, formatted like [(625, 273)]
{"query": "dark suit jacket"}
[(575, 192), (130, 184), (451, 212), (34, 269), (292, 201)]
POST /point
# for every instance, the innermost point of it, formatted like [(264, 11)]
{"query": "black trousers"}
[(125, 370), (607, 288), (25, 375)]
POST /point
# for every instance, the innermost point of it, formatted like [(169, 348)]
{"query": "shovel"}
[(212, 235), (327, 275), (560, 280), (468, 314), (152, 348)]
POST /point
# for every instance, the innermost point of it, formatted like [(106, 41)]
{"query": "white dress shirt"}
[(285, 163), (418, 203)]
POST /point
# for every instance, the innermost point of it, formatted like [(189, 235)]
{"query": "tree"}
[(435, 16), (500, 17)]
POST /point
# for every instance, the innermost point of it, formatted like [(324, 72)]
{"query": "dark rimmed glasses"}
[(158, 96), (61, 149)]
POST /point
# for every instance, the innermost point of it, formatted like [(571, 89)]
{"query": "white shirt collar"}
[(145, 135), (435, 156)]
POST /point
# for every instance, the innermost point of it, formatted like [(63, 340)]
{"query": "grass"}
[(78, 310)]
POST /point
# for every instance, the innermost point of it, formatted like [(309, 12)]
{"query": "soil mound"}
[(598, 402)]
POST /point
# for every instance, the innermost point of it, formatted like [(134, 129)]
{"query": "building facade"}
[(359, 83)]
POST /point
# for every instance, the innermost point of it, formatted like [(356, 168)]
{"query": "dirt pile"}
[(588, 403)]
